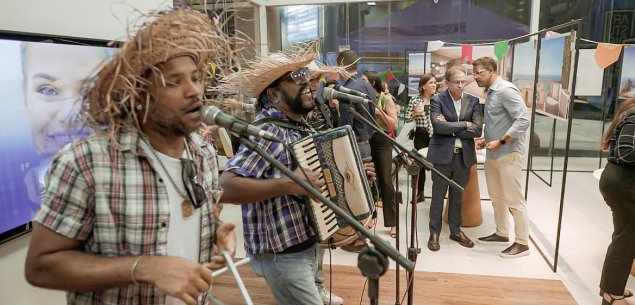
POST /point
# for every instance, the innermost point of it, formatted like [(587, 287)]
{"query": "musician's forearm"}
[(239, 190)]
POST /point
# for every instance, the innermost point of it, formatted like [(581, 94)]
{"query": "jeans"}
[(290, 276), (319, 273)]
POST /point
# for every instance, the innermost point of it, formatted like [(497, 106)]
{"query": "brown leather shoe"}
[(515, 250), (433, 242), (493, 239), (462, 239)]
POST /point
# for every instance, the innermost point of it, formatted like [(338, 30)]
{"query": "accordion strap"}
[(284, 123)]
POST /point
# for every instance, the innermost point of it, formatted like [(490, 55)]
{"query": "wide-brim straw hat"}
[(264, 70), (319, 70), (122, 83)]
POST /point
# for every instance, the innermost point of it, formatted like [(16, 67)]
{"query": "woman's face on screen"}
[(54, 78)]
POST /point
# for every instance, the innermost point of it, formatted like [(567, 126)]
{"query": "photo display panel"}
[(40, 85)]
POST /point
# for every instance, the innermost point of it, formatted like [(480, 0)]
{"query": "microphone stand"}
[(366, 258), (413, 168)]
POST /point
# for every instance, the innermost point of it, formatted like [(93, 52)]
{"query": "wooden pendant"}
[(187, 209)]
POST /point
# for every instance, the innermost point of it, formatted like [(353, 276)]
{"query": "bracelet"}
[(134, 267)]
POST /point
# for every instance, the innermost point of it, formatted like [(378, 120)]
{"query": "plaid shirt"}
[(420, 120), (115, 203), (274, 224)]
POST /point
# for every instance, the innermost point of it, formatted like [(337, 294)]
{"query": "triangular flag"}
[(435, 45), (389, 76), (466, 52), (382, 76), (607, 53), (500, 49)]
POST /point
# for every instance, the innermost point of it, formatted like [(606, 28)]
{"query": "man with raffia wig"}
[(127, 214)]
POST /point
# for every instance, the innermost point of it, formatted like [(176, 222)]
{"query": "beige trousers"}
[(504, 185)]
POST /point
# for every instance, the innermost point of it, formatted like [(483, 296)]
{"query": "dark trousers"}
[(458, 172), (381, 151), (617, 185), (422, 140)]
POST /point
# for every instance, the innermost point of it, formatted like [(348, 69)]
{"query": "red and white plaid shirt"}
[(115, 203)]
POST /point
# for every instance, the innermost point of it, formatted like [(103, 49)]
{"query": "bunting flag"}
[(607, 53), (500, 49), (387, 76), (435, 45), (466, 53)]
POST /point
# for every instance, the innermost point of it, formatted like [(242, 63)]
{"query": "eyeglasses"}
[(458, 82), (478, 73), (300, 76), (194, 190)]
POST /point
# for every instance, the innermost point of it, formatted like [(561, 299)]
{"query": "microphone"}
[(213, 115), (330, 93), (350, 91)]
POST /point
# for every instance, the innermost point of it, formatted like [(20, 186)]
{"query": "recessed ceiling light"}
[(371, 3)]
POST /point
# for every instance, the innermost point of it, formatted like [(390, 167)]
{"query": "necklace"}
[(186, 206)]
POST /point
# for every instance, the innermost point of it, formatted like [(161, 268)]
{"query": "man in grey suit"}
[(456, 120)]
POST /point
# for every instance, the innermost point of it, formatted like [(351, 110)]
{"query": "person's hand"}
[(469, 124), (311, 177), (334, 103), (225, 240), (208, 130), (231, 103), (441, 118), (175, 276), (416, 111), (480, 143), (369, 167), (494, 145)]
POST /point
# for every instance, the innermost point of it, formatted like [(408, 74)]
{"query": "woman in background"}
[(419, 111), (617, 186), (381, 149)]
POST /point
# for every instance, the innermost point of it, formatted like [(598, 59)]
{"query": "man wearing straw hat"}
[(127, 214), (278, 233)]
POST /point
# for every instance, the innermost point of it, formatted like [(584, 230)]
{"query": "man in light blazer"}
[(456, 120)]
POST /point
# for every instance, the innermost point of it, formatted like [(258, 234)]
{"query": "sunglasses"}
[(194, 190), (300, 76)]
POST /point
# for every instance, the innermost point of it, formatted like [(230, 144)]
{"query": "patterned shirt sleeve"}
[(68, 201), (411, 105)]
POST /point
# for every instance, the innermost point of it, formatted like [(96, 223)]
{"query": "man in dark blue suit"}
[(456, 121)]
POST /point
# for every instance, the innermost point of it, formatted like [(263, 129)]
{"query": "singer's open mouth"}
[(197, 107)]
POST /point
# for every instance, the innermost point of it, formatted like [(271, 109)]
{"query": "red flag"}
[(389, 76), (466, 53)]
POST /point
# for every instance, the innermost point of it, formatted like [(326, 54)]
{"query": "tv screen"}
[(40, 86)]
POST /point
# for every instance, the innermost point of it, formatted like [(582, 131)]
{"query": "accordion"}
[(335, 157)]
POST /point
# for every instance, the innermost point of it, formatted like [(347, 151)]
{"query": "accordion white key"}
[(335, 156)]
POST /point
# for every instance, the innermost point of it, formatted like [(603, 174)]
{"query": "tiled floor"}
[(586, 230)]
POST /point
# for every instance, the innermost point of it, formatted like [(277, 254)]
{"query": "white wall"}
[(97, 19)]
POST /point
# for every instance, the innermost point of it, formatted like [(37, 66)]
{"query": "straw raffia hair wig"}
[(263, 71), (121, 85)]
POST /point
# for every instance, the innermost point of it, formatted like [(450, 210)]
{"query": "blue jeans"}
[(290, 277)]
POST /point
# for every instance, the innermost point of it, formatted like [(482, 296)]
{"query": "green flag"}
[(500, 48)]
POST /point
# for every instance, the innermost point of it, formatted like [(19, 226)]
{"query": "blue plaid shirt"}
[(274, 224)]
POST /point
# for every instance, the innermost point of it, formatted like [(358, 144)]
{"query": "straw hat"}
[(319, 70), (263, 71), (121, 85)]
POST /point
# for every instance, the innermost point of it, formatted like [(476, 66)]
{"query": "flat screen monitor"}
[(40, 86)]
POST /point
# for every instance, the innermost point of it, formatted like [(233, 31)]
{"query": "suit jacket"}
[(441, 146)]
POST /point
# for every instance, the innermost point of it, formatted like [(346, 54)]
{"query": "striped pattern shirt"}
[(421, 120), (116, 204), (274, 224)]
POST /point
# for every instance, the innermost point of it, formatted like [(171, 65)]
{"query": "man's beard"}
[(296, 104), (167, 121)]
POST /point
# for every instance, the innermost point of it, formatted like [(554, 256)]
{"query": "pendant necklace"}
[(187, 208)]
